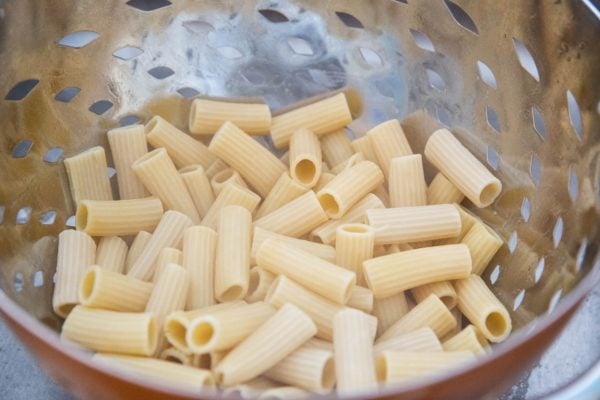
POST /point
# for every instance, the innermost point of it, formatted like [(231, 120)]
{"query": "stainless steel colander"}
[(517, 81)]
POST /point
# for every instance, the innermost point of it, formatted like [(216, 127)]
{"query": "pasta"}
[(230, 195), (363, 145), (353, 350), (461, 168), (347, 188), (321, 117), (258, 284), (127, 144), (76, 252), (296, 218), (111, 253), (326, 177), (397, 272), (284, 393), (459, 324), (197, 183), (157, 172), (407, 185), (207, 116), (477, 302), (183, 149), (305, 157), (285, 190), (469, 339), (388, 141), (224, 177), (250, 389), (388, 310), (361, 298), (168, 233), (272, 342), (224, 329), (137, 247), (118, 217), (397, 366), (112, 331), (442, 191), (323, 251), (243, 154), (414, 224), (216, 167), (177, 356), (354, 244), (383, 195), (467, 220), (348, 163), (324, 278), (166, 256), (109, 290), (483, 243), (336, 147), (431, 313), (327, 232), (443, 289), (232, 260), (199, 246), (422, 339), (88, 177)]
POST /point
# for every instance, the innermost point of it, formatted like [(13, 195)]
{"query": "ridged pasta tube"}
[(198, 185), (111, 253), (388, 141), (406, 182), (88, 177), (442, 191), (306, 158), (208, 115), (284, 191), (199, 248), (127, 144)]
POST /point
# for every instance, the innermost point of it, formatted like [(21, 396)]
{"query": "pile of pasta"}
[(334, 267)]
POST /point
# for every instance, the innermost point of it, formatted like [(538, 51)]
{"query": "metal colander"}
[(517, 81)]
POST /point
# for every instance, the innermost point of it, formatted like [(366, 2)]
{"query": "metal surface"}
[(517, 81)]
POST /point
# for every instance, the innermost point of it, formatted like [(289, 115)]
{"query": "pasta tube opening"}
[(381, 368), (88, 285), (490, 192), (305, 171), (203, 333), (175, 331), (328, 378), (235, 292), (495, 322), (81, 217), (329, 203)]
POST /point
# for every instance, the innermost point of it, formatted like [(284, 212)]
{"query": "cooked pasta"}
[(111, 253), (199, 246), (406, 182), (208, 115), (388, 141), (216, 167), (177, 356), (336, 147), (363, 145), (199, 187), (88, 176), (258, 284), (305, 157), (483, 243), (127, 144), (388, 310), (224, 177), (469, 339), (398, 366), (284, 191), (361, 298), (284, 393), (166, 256), (326, 177), (422, 339), (230, 195), (348, 163), (443, 289), (137, 247), (354, 244), (320, 250), (442, 191)]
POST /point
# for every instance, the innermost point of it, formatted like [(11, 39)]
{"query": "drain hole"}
[(461, 17), (22, 148), (273, 16), (67, 94), (349, 20), (100, 107), (127, 53), (161, 72), (148, 5), (77, 40), (21, 89)]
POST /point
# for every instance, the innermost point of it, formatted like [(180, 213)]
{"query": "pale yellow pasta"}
[(224, 329), (168, 233), (200, 381), (76, 252), (112, 331), (336, 147), (207, 116), (381, 192), (319, 344), (349, 187), (137, 247), (321, 117), (232, 259), (225, 177), (477, 302), (321, 310), (199, 187), (285, 158), (322, 277), (388, 141), (461, 168), (231, 195), (88, 176), (215, 358), (393, 273), (199, 247), (469, 339), (353, 350), (443, 289), (244, 154), (414, 224), (348, 163), (399, 366), (483, 243), (308, 368), (183, 149), (127, 144), (361, 298), (171, 354), (431, 313), (111, 253), (363, 145), (320, 250), (406, 182), (459, 324), (250, 389), (467, 220), (296, 218), (398, 247), (258, 285), (285, 190), (109, 290), (166, 256), (442, 191), (422, 339), (284, 393), (388, 310), (157, 172), (327, 231), (272, 342), (354, 244), (305, 157), (216, 167), (326, 177)]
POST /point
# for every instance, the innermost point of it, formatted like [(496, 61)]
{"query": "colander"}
[(517, 82)]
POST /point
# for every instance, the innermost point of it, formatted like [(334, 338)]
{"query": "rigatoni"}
[(354, 244), (243, 154), (406, 182), (258, 285), (167, 256), (199, 246), (326, 177), (305, 157), (363, 145), (443, 289), (177, 356), (225, 177), (442, 191), (469, 339), (422, 339), (336, 147), (158, 174), (285, 190), (389, 310), (199, 187), (88, 176), (324, 278), (273, 341), (230, 195), (118, 217), (361, 298), (137, 247), (461, 168), (216, 167), (320, 250), (477, 302), (348, 163), (111, 253), (388, 141), (207, 116), (127, 144), (483, 243), (321, 117), (397, 366), (112, 331), (76, 252)]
